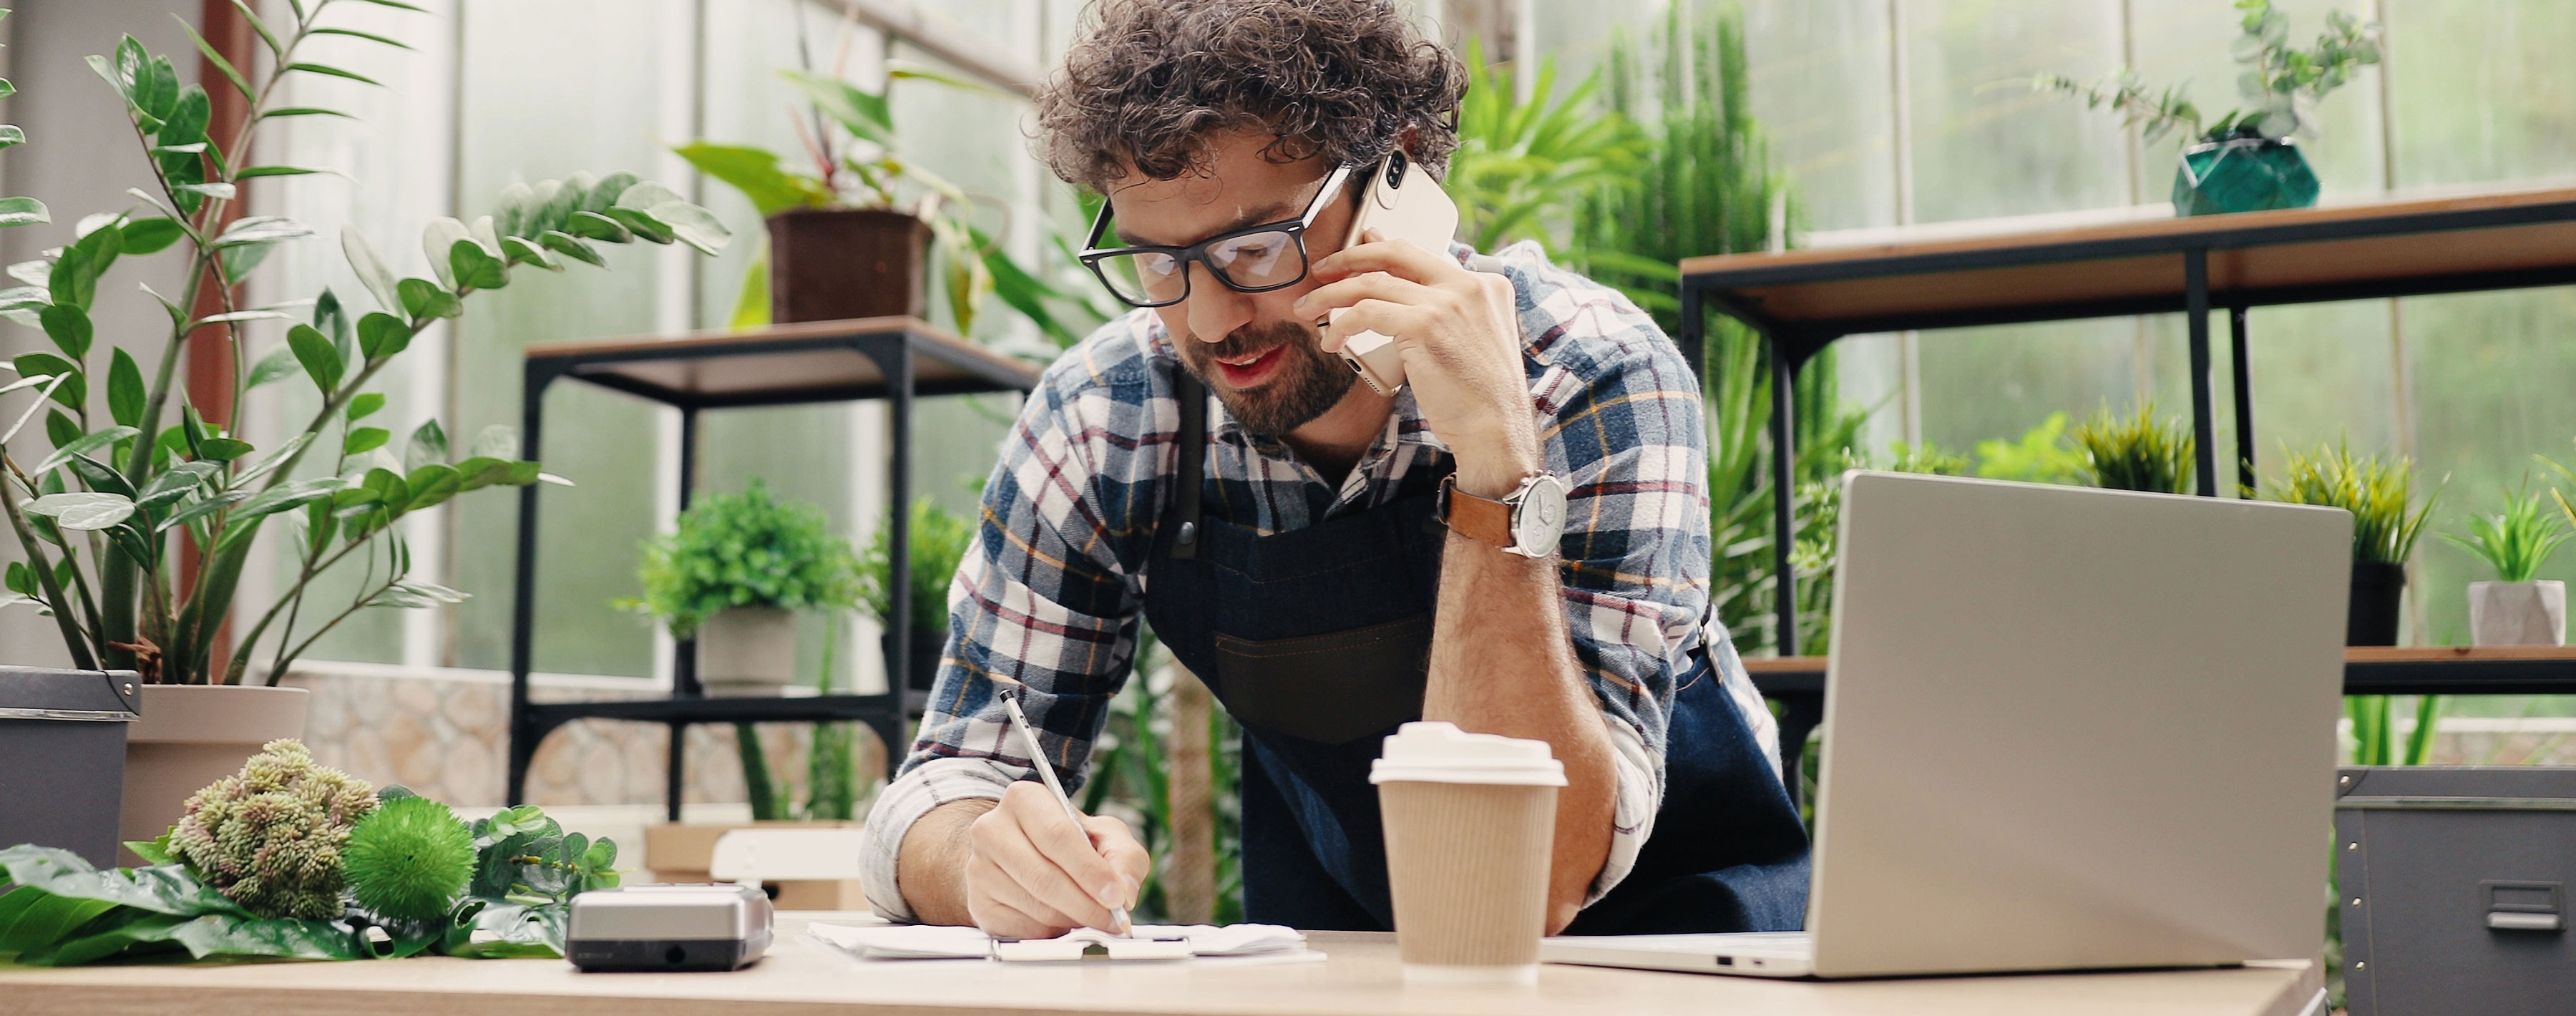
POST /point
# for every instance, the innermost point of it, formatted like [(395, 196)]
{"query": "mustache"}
[(1251, 339)]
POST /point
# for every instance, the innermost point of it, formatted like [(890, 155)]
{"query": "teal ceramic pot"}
[(2242, 174)]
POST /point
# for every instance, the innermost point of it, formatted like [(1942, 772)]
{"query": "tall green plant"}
[(1521, 166), (1704, 184), (97, 516)]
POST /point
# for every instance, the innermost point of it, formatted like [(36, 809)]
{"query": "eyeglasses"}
[(1254, 259)]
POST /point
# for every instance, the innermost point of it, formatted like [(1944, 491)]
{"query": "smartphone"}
[(1405, 203)]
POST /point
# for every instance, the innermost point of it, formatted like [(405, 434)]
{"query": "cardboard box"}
[(683, 851)]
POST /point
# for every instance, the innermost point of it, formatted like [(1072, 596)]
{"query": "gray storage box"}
[(2454, 888), (62, 757)]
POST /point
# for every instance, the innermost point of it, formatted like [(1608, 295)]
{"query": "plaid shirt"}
[(1051, 591)]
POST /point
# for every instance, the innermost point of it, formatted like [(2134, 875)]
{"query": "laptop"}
[(2064, 729)]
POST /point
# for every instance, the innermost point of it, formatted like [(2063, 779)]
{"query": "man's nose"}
[(1215, 310)]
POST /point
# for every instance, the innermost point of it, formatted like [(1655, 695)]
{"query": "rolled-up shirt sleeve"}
[(1040, 600)]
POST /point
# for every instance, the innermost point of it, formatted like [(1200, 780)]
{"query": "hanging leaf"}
[(22, 212), (215, 59), (756, 173), (69, 327), (437, 238), (432, 483), (365, 439), (572, 247), (304, 111), (522, 251), (151, 236), (190, 112), (474, 267), (424, 301), (313, 350), (428, 444), (125, 393), (262, 229), (693, 225), (223, 449), (168, 486), (363, 406), (280, 362), (83, 510), (85, 444), (74, 390), (314, 68), (370, 269), (382, 335), (591, 225)]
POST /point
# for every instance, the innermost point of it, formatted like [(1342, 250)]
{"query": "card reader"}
[(668, 927)]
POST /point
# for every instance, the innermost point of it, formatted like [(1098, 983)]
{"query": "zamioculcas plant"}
[(99, 515)]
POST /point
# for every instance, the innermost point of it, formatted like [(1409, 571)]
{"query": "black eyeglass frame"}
[(1093, 254)]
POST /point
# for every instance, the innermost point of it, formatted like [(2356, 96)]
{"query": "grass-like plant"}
[(2379, 494), (2518, 540), (744, 550), (2137, 453)]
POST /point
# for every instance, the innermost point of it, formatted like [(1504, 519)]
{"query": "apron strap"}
[(1193, 466)]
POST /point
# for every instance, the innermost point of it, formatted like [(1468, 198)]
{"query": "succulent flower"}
[(270, 837), (410, 859)]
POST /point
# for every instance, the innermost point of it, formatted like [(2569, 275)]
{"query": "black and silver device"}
[(669, 927)]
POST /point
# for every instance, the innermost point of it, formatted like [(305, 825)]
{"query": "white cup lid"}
[(1437, 752)]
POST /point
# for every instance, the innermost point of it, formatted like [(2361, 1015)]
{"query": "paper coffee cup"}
[(1470, 825)]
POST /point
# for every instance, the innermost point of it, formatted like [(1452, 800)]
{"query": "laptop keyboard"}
[(1766, 944)]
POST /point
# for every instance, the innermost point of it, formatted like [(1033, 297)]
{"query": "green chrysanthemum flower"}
[(410, 859)]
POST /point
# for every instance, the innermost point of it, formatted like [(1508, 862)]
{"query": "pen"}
[(1037, 757)]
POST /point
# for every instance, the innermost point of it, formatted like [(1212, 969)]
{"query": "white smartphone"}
[(1406, 204)]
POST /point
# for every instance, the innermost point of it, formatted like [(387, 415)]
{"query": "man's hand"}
[(1460, 337), (1018, 868)]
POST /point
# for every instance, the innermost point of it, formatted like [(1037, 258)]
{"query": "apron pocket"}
[(1331, 689)]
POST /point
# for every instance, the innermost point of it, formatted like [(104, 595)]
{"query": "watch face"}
[(1540, 522)]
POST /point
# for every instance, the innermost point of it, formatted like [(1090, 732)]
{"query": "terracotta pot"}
[(746, 651), (832, 264), (192, 735), (2518, 613)]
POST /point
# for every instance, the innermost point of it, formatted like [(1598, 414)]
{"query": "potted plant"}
[(2516, 609), (2139, 453), (2385, 525), (2245, 161), (733, 574), (938, 541), (103, 516)]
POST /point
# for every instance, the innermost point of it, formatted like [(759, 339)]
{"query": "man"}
[(1331, 560)]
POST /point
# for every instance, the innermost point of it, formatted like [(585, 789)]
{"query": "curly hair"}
[(1147, 83)]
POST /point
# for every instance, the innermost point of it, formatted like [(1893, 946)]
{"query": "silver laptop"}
[(2064, 729)]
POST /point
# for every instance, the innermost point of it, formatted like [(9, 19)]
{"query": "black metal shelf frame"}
[(1792, 343), (894, 350)]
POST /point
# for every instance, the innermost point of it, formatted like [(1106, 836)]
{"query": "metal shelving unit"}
[(896, 359), (1801, 301)]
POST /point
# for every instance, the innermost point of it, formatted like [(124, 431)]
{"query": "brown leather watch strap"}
[(1477, 518)]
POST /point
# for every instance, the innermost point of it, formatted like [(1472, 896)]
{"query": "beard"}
[(1306, 383)]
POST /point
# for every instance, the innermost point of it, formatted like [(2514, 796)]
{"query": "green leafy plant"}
[(938, 540), (2039, 456), (1927, 458), (2516, 541), (1704, 184), (743, 550), (404, 894), (2279, 84), (2137, 453), (2385, 521), (1519, 165), (96, 516), (271, 835)]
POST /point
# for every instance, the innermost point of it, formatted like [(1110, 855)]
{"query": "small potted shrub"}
[(2516, 609), (2139, 453), (2245, 161), (732, 576), (2385, 525), (939, 541)]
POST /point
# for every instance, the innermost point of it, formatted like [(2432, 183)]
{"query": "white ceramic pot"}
[(747, 651), (192, 735), (2518, 613)]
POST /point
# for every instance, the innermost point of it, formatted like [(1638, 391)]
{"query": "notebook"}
[(1149, 942)]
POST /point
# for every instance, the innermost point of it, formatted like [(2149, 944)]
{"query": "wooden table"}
[(1361, 978)]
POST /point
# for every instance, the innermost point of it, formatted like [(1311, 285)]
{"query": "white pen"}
[(1037, 757)]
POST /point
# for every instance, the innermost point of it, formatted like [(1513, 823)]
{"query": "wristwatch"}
[(1528, 521)]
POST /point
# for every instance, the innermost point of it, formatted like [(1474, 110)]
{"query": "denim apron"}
[(1317, 641)]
